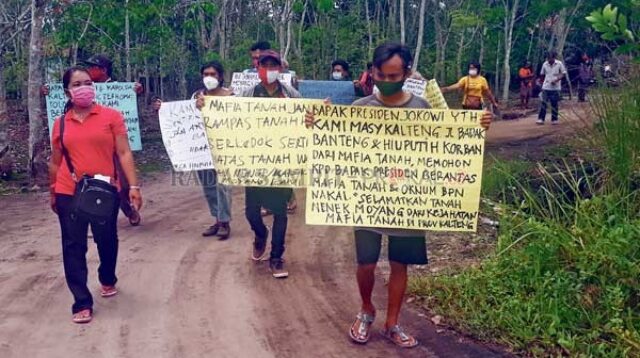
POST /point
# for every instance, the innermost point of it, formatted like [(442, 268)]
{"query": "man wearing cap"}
[(100, 69), (273, 199)]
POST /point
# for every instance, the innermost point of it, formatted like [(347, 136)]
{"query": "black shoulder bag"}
[(94, 200)]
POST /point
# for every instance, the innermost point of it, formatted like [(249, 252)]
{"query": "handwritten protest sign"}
[(434, 96), (417, 87), (118, 95), (340, 92), (184, 136), (395, 168), (258, 141), (242, 81)]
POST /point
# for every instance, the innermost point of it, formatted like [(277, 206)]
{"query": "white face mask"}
[(473, 72), (272, 76), (210, 82), (337, 76)]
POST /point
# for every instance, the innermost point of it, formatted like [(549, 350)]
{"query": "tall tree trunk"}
[(416, 56), (509, 23), (298, 48), (3, 91), (369, 33), (37, 138), (127, 41), (204, 42), (6, 164), (222, 23), (481, 56), (288, 47), (497, 79), (459, 53), (402, 23)]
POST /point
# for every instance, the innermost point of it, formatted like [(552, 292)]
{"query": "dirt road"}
[(186, 296)]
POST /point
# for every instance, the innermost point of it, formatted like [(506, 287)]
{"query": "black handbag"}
[(94, 200)]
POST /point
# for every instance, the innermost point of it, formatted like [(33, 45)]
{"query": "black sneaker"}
[(211, 230), (259, 249), (277, 268), (224, 231)]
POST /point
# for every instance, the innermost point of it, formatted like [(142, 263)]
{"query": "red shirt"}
[(91, 145)]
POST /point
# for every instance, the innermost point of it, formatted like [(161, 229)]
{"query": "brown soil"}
[(186, 296)]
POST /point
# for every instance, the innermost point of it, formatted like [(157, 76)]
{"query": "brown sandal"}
[(83, 316)]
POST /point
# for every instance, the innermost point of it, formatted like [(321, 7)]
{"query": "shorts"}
[(404, 250)]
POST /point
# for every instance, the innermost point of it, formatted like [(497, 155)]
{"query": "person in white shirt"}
[(553, 72)]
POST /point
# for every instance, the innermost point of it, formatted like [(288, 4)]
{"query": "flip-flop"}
[(135, 218), (363, 331), (80, 317), (108, 291), (396, 335)]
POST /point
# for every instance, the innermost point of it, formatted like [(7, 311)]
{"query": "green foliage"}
[(618, 132), (614, 26), (565, 276)]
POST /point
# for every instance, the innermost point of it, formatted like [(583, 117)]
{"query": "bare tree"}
[(402, 23), (511, 8), (416, 56), (37, 138)]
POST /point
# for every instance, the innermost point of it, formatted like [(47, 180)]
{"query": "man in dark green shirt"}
[(273, 199)]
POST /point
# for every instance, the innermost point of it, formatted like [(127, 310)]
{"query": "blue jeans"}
[(218, 196)]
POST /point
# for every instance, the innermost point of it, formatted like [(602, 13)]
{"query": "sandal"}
[(135, 217), (396, 335), (363, 332), (108, 291), (83, 316)]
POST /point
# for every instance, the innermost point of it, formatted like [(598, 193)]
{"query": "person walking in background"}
[(392, 66), (254, 51), (474, 87), (218, 196), (340, 71), (553, 71), (364, 85), (273, 199), (86, 136), (526, 84), (585, 77)]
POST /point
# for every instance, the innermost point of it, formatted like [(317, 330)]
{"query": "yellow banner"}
[(258, 141), (395, 168)]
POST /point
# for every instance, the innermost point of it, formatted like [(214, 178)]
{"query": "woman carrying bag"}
[(86, 141), (474, 87)]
